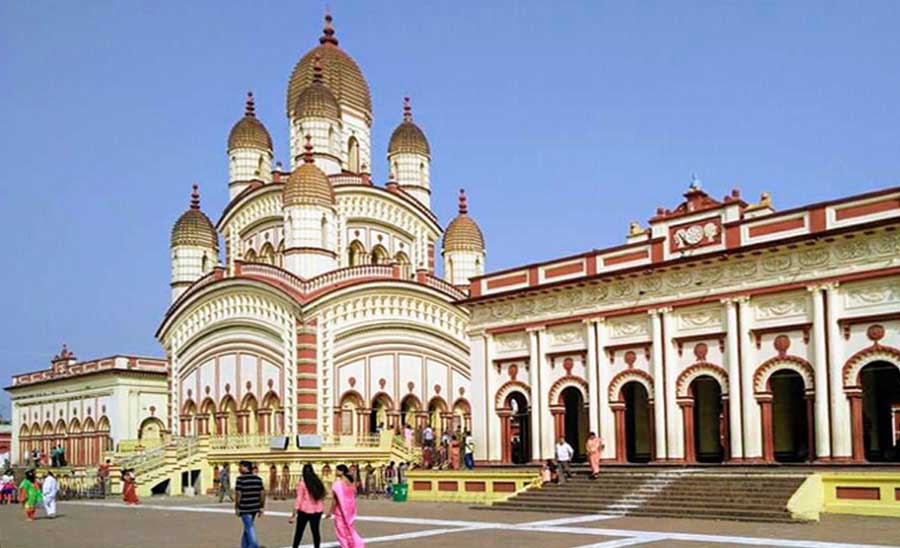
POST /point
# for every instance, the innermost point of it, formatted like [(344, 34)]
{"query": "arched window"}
[(356, 253), (250, 256), (353, 155), (478, 267), (405, 265), (203, 263), (326, 236), (379, 255), (259, 166), (450, 270), (267, 254)]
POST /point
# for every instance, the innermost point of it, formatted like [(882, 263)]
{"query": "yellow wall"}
[(476, 486), (860, 493)]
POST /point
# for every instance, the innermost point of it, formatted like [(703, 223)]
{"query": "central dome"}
[(340, 73)]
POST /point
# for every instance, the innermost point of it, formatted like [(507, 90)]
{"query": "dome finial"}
[(328, 31), (463, 202), (250, 109), (407, 110), (195, 197), (317, 70), (308, 150)]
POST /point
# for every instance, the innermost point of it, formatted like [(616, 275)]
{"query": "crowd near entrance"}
[(575, 423)]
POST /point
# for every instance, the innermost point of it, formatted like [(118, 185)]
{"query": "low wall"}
[(860, 493), (474, 486)]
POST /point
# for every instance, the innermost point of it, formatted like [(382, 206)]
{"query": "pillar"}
[(559, 423), (820, 363), (811, 426), (592, 379), (534, 395), (687, 410), (505, 437), (856, 420), (841, 431), (765, 407), (734, 380), (618, 410), (659, 385)]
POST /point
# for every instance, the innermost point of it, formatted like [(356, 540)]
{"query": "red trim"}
[(625, 257), (858, 493), (775, 227), (564, 270), (867, 209), (509, 280), (421, 485), (732, 235), (846, 323), (533, 278), (448, 486), (475, 486), (504, 487)]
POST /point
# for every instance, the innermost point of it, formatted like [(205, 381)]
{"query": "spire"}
[(250, 109), (463, 202), (328, 32), (407, 110), (195, 197), (317, 70), (308, 150)]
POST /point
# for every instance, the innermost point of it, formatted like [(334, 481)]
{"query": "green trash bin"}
[(401, 492)]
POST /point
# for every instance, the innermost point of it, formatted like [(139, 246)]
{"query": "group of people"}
[(33, 493), (446, 454), (309, 506), (35, 458), (559, 470)]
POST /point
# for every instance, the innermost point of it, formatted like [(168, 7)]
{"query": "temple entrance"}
[(576, 421), (638, 423), (151, 432), (880, 383), (520, 425), (378, 418), (707, 419), (790, 427), (409, 408)]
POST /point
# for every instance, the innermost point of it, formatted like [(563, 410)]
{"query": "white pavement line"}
[(401, 536), (567, 521), (626, 541)]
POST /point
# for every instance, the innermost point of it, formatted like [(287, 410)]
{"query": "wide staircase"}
[(743, 494)]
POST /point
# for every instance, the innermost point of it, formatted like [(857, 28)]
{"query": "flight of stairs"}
[(743, 494)]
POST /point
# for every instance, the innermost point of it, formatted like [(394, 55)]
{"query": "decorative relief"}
[(776, 263), (873, 294), (699, 234), (704, 317), (780, 307), (567, 336), (813, 257), (512, 343), (852, 250), (628, 327)]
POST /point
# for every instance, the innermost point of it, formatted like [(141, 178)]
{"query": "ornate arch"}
[(354, 396), (271, 396), (442, 403), (780, 363), (876, 352), (188, 405), (75, 426), (24, 431), (629, 375), (566, 382), (224, 403), (682, 385), (464, 403), (103, 424), (416, 402), (208, 406), (61, 427), (509, 388), (245, 402), (89, 426), (385, 398)]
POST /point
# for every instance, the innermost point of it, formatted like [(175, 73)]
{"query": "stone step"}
[(769, 517)]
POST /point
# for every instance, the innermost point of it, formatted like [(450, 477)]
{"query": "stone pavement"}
[(200, 523)]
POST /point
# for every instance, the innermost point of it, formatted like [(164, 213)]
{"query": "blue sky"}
[(563, 121)]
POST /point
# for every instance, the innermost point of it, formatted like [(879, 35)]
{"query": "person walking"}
[(225, 483), (564, 454), (593, 446), (103, 477), (129, 487), (54, 457), (61, 455), (454, 452), (49, 490), (343, 509), (308, 506), (390, 476), (428, 436), (249, 502), (30, 494), (469, 451)]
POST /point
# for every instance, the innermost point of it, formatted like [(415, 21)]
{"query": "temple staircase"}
[(742, 494)]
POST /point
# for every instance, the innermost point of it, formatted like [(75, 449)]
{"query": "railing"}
[(346, 179), (144, 461), (241, 441), (262, 442), (367, 271), (185, 446)]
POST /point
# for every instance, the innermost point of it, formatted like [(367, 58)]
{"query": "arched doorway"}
[(707, 419), (250, 415), (378, 419), (228, 423), (437, 408), (880, 383), (638, 423), (519, 438), (790, 425), (575, 422), (409, 408), (151, 432)]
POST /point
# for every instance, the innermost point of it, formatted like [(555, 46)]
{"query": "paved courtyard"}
[(201, 522)]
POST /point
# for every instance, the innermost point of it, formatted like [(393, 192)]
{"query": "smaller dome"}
[(308, 184), (249, 132), (408, 137), (463, 233), (316, 100), (194, 227)]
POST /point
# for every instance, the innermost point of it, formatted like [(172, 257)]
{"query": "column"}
[(534, 376), (505, 456), (820, 363), (480, 395), (593, 385), (841, 431), (765, 405), (856, 414), (750, 419), (607, 429), (618, 410), (734, 379), (687, 410), (659, 385)]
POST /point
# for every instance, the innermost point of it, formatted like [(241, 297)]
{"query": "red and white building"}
[(721, 332)]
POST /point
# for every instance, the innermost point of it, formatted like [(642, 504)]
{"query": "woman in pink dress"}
[(343, 509), (594, 445), (309, 506), (454, 453)]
